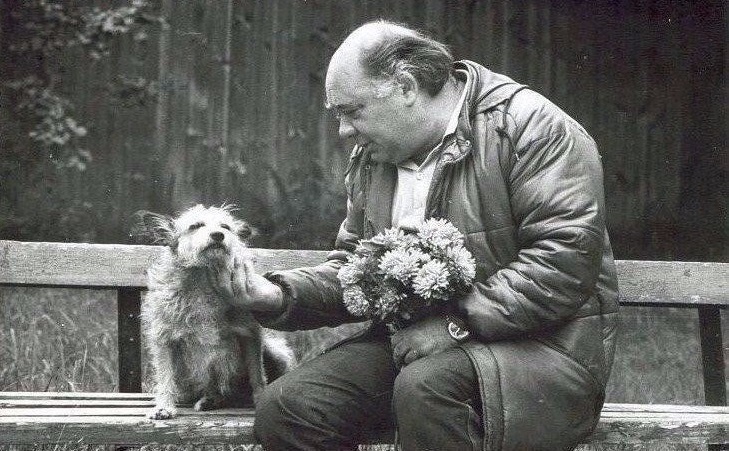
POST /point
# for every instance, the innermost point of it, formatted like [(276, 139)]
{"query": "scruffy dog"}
[(205, 350)]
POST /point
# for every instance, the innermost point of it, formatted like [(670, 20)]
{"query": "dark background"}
[(173, 103)]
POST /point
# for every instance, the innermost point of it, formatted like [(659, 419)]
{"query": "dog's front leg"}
[(212, 397), (256, 373), (166, 388)]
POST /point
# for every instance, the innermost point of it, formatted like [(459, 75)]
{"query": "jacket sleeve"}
[(313, 295), (556, 193)]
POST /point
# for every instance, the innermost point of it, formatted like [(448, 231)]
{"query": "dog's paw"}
[(162, 413), (207, 403)]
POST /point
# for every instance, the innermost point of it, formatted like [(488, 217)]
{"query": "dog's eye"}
[(225, 226), (195, 226)]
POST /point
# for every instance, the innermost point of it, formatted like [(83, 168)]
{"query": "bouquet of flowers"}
[(397, 276)]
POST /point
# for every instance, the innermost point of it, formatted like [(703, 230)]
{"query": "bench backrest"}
[(704, 286)]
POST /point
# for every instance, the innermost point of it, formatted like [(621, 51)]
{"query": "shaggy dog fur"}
[(205, 349)]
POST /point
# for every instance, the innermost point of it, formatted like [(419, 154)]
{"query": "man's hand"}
[(421, 339), (254, 292)]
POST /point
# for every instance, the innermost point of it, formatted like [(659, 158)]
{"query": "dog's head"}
[(200, 236)]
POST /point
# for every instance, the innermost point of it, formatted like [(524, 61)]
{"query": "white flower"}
[(432, 280), (349, 274), (400, 264), (355, 301), (420, 256), (439, 233), (390, 238), (463, 261)]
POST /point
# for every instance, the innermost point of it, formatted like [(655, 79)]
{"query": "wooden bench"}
[(118, 418)]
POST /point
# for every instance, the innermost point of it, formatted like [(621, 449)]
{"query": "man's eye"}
[(348, 113), (225, 226), (352, 113), (195, 226)]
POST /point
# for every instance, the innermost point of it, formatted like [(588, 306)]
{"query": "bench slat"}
[(618, 408), (645, 282), (620, 423), (43, 399), (74, 412), (120, 430), (40, 403), (109, 265), (116, 265), (31, 395)]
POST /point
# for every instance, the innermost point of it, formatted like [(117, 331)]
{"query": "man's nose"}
[(346, 130)]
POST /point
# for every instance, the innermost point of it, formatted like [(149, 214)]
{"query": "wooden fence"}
[(239, 115)]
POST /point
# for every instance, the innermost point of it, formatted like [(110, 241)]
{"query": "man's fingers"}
[(248, 268), (410, 357), (399, 350), (248, 273)]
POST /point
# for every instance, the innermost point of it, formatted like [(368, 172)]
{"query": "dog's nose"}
[(217, 236)]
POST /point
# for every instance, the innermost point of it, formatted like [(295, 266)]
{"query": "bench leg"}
[(712, 355), (129, 301)]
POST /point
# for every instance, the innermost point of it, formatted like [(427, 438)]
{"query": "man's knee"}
[(413, 386), (275, 408), (429, 382)]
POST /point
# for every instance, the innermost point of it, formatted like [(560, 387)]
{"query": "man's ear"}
[(408, 87), (153, 228)]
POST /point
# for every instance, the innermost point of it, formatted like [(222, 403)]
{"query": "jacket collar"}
[(484, 90)]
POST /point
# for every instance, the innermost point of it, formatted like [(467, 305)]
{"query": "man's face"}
[(370, 111)]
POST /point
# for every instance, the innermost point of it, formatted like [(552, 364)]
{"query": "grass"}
[(65, 340)]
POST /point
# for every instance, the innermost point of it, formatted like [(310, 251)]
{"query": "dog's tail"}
[(278, 356)]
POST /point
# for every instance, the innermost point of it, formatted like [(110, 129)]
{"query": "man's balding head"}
[(386, 50)]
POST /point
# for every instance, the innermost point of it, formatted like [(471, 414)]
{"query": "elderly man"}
[(523, 182)]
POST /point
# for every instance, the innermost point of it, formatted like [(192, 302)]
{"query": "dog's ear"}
[(153, 228), (245, 231)]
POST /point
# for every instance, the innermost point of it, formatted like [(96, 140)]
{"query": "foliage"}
[(43, 32), (55, 129), (132, 92)]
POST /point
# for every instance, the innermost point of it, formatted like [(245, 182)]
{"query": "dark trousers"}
[(336, 399)]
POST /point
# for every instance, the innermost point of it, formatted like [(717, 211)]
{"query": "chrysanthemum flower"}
[(440, 233), (349, 274), (463, 261), (355, 301), (432, 280), (400, 264), (390, 238)]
